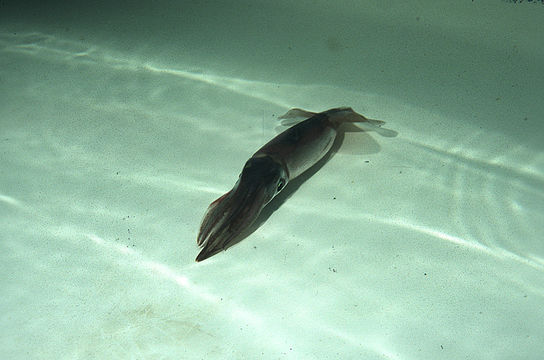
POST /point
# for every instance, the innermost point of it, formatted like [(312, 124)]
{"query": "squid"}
[(268, 172)]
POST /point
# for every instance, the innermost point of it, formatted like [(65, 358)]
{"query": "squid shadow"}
[(371, 147)]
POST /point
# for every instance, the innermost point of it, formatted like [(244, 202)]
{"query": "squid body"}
[(267, 173)]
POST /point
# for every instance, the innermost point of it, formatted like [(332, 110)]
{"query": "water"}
[(119, 126)]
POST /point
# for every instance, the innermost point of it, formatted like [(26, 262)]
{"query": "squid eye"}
[(281, 184)]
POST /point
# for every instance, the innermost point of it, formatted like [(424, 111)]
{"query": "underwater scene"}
[(271, 179)]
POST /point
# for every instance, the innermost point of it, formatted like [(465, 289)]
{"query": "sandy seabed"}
[(118, 126)]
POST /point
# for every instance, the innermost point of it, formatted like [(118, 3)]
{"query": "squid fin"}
[(297, 113), (371, 126), (294, 116)]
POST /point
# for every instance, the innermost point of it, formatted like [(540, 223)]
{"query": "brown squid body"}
[(267, 172)]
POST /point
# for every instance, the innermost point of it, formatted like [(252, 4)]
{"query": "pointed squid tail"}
[(339, 116), (347, 115)]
